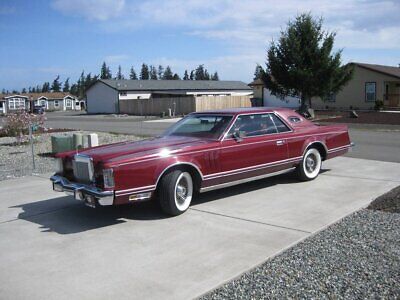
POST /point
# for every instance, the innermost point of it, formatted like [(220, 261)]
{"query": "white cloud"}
[(100, 10)]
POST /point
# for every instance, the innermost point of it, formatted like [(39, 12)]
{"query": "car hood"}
[(128, 151)]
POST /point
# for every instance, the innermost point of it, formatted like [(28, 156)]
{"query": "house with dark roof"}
[(52, 101), (157, 96), (369, 84)]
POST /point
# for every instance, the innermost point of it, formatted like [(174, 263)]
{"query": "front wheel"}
[(175, 192), (310, 166)]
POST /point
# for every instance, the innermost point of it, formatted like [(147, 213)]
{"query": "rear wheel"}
[(175, 192), (310, 166)]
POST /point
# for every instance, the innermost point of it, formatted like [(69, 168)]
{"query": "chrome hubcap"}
[(182, 190), (311, 163)]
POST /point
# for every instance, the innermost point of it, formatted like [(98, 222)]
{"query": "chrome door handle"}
[(280, 143)]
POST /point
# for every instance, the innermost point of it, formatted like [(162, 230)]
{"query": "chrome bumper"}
[(91, 195)]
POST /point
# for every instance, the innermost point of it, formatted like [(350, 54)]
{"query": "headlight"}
[(108, 178), (58, 165)]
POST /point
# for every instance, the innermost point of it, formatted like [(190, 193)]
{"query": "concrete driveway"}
[(53, 247)]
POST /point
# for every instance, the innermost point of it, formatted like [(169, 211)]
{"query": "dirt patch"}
[(373, 117), (389, 202)]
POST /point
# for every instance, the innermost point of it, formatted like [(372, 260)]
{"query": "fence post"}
[(32, 151)]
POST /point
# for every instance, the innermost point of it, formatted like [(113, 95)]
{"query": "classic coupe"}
[(202, 152)]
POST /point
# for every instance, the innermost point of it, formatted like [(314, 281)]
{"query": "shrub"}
[(17, 124), (378, 105)]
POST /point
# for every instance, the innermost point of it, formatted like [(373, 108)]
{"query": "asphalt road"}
[(53, 247), (372, 142)]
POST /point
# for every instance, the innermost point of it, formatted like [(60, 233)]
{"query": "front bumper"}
[(89, 194)]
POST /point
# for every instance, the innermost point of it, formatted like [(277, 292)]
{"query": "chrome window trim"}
[(259, 113)]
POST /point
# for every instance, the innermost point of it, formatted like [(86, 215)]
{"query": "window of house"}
[(370, 91), (331, 97), (68, 103), (16, 103), (56, 103)]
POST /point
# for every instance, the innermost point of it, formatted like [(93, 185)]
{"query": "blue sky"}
[(41, 39)]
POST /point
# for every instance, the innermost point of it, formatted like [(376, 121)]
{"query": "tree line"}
[(147, 72)]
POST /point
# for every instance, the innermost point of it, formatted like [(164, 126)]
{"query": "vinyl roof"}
[(165, 85)]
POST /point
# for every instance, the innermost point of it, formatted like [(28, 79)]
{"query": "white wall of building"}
[(273, 101), (128, 95)]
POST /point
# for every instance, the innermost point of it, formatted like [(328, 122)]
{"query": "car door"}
[(259, 148)]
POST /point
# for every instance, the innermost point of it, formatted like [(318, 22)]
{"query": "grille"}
[(83, 168)]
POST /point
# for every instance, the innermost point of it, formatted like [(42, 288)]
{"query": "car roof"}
[(245, 110)]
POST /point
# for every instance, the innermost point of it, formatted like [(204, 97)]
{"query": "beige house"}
[(369, 84)]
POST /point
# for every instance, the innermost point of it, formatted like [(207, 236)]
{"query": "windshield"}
[(200, 125)]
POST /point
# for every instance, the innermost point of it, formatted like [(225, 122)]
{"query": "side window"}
[(279, 124), (253, 125)]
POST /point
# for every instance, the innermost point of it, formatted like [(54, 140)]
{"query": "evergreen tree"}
[(176, 77), (153, 73), (192, 75), (258, 73), (186, 75), (33, 90), (105, 72), (46, 87), (160, 72), (144, 72), (215, 77), (74, 89), (30, 90), (15, 92), (199, 73), (81, 85), (38, 89), (206, 75), (168, 75), (23, 91), (119, 73), (132, 74), (3, 91), (56, 85), (66, 86), (302, 64)]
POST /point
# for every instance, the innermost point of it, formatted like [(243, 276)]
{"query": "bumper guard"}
[(91, 195)]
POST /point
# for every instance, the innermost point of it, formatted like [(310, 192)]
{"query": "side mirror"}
[(238, 135)]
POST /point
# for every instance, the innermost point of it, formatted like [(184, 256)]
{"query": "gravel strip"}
[(358, 257), (16, 160)]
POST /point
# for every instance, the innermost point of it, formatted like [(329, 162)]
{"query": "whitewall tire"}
[(175, 192), (310, 165)]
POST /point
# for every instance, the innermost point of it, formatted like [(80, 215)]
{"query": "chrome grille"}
[(83, 168)]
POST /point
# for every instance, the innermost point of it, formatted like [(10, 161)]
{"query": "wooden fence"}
[(181, 105), (220, 102)]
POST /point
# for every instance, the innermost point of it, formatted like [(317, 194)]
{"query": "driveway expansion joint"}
[(251, 221)]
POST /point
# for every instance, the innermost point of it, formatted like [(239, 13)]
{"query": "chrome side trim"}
[(252, 168), (227, 184), (179, 164), (136, 190), (176, 152), (341, 148), (315, 142)]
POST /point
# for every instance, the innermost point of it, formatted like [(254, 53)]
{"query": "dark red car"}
[(201, 152)]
